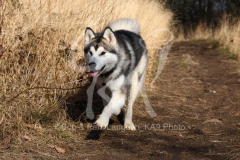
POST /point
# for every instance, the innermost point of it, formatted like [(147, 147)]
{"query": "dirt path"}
[(197, 102)]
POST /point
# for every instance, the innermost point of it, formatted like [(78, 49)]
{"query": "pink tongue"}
[(93, 74)]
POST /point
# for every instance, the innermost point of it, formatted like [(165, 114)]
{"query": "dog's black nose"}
[(91, 67), (91, 63)]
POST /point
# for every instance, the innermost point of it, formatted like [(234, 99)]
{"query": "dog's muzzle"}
[(91, 69)]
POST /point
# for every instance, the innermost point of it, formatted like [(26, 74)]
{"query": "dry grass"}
[(228, 34), (36, 39)]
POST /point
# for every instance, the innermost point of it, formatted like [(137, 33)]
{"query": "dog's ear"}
[(89, 35), (109, 36)]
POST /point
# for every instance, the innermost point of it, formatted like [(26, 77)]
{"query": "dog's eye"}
[(90, 53), (102, 53)]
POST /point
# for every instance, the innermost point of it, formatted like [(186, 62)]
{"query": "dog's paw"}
[(102, 123), (129, 126)]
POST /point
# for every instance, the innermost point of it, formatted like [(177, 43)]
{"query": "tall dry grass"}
[(227, 33), (36, 77)]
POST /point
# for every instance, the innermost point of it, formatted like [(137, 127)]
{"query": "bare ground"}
[(196, 99)]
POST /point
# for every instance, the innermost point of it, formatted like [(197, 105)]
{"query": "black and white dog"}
[(118, 58)]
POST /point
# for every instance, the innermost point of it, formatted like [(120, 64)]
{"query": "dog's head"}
[(100, 51)]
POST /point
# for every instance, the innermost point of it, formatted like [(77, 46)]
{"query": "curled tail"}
[(125, 24)]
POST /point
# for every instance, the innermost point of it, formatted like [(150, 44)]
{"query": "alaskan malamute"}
[(117, 58)]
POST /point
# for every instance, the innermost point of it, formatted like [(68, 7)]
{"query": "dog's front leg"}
[(114, 107)]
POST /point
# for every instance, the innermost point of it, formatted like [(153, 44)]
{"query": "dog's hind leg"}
[(136, 82), (133, 92)]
